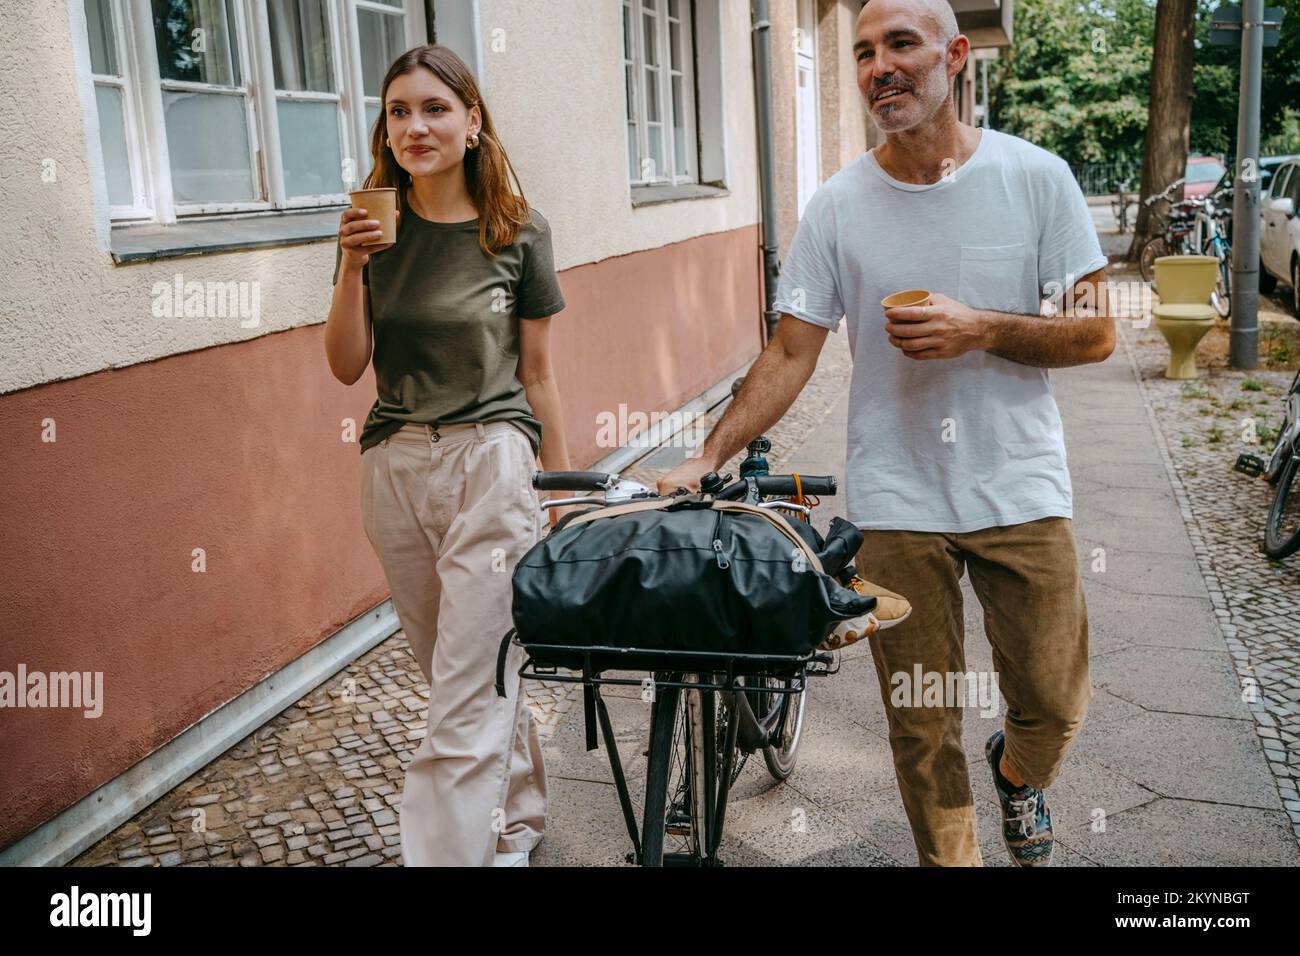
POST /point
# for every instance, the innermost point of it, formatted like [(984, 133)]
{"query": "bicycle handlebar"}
[(783, 485)]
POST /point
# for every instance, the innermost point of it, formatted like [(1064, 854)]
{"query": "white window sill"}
[(147, 242), (656, 195)]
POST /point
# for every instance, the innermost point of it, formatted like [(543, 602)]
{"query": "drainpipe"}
[(762, 30)]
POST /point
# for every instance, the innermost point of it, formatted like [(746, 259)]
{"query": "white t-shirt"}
[(945, 444)]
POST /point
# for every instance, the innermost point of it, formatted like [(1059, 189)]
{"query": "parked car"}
[(1279, 233), (1268, 165), (1222, 192), (1203, 172)]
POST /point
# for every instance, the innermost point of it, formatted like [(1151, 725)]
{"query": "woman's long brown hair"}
[(493, 184)]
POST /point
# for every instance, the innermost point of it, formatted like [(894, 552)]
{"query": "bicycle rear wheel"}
[(682, 776), (663, 723), (1153, 250)]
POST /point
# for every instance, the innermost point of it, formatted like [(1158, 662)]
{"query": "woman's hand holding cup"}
[(361, 236)]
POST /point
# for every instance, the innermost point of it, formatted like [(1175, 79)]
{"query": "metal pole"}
[(766, 150), (1243, 342)]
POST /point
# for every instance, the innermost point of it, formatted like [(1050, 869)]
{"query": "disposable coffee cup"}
[(379, 204), (906, 299)]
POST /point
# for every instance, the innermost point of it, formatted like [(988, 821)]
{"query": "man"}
[(955, 457)]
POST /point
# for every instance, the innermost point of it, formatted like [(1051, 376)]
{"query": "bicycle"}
[(709, 711), (1209, 237), (1174, 230), (1119, 206), (1282, 471)]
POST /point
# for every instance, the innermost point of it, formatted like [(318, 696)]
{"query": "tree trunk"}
[(1169, 111)]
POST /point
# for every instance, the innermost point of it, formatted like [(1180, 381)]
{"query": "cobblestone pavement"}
[(1204, 425), (322, 781)]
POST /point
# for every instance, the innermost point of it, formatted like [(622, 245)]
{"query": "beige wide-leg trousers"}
[(449, 511)]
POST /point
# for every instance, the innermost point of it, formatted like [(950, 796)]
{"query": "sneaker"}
[(890, 609), (1026, 821), (519, 858)]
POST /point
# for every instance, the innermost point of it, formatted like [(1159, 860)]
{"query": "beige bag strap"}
[(782, 524), (659, 504), (613, 511)]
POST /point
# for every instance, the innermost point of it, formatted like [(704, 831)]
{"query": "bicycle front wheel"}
[(1282, 533), (788, 710)]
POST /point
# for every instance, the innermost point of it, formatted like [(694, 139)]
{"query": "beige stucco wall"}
[(556, 94)]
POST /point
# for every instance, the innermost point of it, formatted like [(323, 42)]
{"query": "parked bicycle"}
[(709, 710), (1210, 238), (1282, 471), (1122, 203), (1172, 229)]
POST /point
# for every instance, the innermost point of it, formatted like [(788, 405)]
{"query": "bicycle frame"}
[(717, 674)]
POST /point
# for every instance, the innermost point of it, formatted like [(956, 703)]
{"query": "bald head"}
[(934, 16)]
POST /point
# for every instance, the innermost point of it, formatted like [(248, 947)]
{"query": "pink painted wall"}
[(237, 450)]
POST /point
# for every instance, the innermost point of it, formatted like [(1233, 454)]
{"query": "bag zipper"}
[(719, 553)]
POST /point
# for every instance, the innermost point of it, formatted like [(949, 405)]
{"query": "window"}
[(658, 74), (1279, 186), (1293, 187), (218, 106)]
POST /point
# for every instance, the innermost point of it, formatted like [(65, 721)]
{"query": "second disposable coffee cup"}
[(906, 299), (379, 204)]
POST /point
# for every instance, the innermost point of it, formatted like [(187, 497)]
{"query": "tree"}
[(1169, 108), (1075, 80)]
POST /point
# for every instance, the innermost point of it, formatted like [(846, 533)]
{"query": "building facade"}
[(180, 468)]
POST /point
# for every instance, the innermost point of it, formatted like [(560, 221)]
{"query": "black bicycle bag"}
[(689, 574)]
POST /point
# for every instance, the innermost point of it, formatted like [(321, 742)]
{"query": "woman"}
[(460, 307)]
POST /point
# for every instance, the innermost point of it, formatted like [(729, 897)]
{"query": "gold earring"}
[(472, 142)]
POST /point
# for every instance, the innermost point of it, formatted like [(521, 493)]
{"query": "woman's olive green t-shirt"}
[(446, 324)]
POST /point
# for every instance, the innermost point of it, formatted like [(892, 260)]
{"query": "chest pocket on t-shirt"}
[(991, 276)]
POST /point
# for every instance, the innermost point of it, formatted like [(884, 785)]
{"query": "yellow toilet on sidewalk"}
[(1184, 315)]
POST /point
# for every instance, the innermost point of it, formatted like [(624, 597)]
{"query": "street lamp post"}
[(1243, 342)]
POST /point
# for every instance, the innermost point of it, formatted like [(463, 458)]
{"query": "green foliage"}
[(1077, 78)]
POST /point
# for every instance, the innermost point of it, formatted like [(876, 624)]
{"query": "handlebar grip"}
[(784, 484), (571, 480)]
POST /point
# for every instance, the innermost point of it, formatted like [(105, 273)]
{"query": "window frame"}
[(141, 206), (637, 9), (145, 127)]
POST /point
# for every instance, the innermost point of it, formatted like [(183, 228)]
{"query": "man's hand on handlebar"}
[(686, 475)]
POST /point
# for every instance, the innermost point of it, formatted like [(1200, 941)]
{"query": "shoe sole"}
[(867, 632)]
